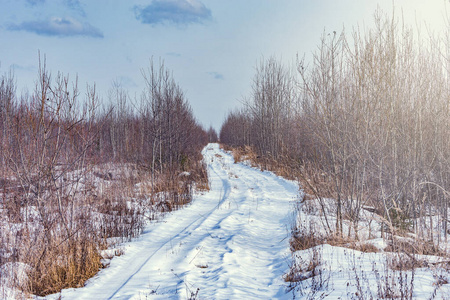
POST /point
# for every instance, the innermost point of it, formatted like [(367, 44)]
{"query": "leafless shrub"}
[(308, 276), (441, 277), (119, 219), (305, 238), (59, 203), (413, 246), (363, 247), (398, 283)]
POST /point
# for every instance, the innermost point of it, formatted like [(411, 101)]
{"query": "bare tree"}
[(212, 135), (270, 106)]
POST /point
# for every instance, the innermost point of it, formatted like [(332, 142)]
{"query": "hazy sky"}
[(212, 46)]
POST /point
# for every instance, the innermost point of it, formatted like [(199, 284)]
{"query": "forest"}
[(366, 123), (69, 166)]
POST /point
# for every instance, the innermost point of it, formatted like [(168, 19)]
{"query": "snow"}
[(229, 243), (332, 272), (233, 243), (344, 273)]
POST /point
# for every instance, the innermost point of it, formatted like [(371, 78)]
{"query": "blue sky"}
[(212, 46)]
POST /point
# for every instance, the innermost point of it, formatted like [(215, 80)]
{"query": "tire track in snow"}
[(230, 243), (225, 188)]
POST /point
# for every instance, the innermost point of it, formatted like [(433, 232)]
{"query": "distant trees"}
[(7, 99), (270, 106), (159, 130), (158, 133), (267, 116), (212, 135), (236, 129), (120, 120), (174, 132), (366, 122)]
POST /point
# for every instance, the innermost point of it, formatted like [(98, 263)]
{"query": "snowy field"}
[(229, 243)]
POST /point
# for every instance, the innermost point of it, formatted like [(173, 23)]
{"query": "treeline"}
[(69, 165), (365, 123), (159, 131)]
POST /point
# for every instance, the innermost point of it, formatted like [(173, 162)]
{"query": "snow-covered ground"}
[(343, 273), (229, 243), (332, 272), (233, 243)]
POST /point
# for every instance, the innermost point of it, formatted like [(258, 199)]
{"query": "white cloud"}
[(57, 26), (181, 12)]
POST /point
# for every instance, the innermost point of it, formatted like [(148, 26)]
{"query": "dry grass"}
[(303, 268), (363, 247), (62, 244), (241, 154), (281, 166), (414, 246), (68, 265), (398, 261), (304, 239)]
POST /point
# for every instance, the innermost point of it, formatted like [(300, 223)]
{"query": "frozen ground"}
[(230, 243)]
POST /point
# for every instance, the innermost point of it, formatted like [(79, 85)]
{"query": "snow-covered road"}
[(229, 243)]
